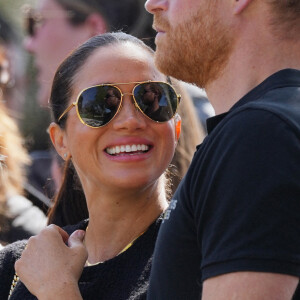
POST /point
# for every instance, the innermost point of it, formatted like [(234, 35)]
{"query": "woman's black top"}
[(125, 276)]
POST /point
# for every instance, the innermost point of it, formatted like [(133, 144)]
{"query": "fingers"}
[(58, 229), (47, 262), (76, 243), (76, 238), (50, 238)]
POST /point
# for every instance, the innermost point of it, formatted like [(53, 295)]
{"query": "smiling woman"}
[(119, 153)]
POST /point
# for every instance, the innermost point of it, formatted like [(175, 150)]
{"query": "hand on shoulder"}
[(52, 262)]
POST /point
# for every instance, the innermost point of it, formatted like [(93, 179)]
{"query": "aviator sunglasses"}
[(97, 105)]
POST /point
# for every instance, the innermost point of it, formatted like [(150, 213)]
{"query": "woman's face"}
[(90, 147)]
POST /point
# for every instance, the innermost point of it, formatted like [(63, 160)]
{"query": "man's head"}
[(196, 39)]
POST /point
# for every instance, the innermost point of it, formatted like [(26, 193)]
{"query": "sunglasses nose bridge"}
[(129, 94), (133, 99)]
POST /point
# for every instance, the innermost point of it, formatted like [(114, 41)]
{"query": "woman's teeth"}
[(127, 149)]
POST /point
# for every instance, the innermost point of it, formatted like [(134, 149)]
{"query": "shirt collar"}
[(282, 78)]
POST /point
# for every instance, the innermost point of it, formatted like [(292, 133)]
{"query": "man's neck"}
[(247, 68)]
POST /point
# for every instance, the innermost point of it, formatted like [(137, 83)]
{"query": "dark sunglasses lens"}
[(98, 105), (157, 100), (29, 25)]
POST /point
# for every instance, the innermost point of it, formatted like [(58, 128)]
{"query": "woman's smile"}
[(127, 149)]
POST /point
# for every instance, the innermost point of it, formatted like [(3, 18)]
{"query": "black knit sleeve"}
[(8, 256)]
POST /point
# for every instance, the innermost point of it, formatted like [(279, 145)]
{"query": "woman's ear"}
[(58, 138), (177, 120)]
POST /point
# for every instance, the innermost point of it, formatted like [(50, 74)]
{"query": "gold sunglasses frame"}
[(137, 83)]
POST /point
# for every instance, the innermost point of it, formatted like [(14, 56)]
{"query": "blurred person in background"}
[(12, 92), (12, 68), (56, 27), (19, 219)]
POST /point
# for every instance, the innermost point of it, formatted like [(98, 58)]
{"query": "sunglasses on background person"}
[(33, 19), (77, 13), (96, 106)]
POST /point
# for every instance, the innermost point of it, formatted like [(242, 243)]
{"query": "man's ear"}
[(96, 24), (58, 138), (177, 120), (240, 5)]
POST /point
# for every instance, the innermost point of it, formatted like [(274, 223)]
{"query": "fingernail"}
[(79, 233)]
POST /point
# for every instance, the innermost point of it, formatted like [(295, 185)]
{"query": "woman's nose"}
[(129, 116)]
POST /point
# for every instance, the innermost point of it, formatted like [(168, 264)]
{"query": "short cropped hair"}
[(285, 18)]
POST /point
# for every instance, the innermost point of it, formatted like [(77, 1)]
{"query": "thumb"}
[(76, 239), (79, 252)]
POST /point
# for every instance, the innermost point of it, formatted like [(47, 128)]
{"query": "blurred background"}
[(31, 118)]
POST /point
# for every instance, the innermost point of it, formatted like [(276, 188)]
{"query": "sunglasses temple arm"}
[(169, 80), (66, 111)]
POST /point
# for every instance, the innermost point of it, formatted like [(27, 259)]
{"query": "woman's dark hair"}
[(69, 204), (128, 16)]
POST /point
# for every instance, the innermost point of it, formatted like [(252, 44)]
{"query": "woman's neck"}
[(117, 220)]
